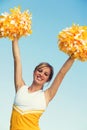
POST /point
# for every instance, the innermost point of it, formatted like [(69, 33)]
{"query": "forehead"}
[(43, 66)]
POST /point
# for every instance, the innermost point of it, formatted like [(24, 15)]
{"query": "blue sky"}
[(68, 110)]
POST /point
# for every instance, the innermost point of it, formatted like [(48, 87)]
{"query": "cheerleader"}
[(31, 101)]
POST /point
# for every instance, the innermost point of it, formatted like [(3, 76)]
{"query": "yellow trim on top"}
[(1, 16), (27, 111)]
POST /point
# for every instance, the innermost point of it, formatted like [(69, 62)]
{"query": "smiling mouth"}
[(39, 78)]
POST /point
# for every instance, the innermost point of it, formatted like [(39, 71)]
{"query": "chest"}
[(29, 101)]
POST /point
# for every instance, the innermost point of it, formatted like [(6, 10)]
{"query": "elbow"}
[(62, 74), (16, 59)]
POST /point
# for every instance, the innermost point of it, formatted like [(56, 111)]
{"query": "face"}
[(41, 75)]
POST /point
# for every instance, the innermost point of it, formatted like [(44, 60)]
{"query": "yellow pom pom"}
[(15, 24), (73, 41)]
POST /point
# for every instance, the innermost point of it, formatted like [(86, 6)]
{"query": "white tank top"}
[(30, 101)]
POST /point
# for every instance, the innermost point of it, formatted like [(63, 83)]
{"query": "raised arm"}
[(17, 65), (50, 92)]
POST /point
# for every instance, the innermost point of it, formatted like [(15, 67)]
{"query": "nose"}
[(41, 74)]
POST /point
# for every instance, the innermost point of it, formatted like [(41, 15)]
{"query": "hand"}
[(15, 40)]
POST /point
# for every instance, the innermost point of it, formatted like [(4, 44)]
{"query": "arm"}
[(50, 92), (17, 65)]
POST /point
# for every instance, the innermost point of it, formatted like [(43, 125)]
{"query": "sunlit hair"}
[(45, 64)]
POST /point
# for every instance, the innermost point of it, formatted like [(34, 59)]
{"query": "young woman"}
[(31, 101)]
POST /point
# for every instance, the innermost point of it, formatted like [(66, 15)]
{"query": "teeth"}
[(39, 78)]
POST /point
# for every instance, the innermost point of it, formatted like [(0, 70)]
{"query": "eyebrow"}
[(42, 68)]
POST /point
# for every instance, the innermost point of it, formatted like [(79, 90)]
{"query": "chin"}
[(39, 83)]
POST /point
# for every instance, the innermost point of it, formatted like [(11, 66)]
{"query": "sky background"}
[(68, 110)]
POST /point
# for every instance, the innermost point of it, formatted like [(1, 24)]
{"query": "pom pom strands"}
[(73, 41), (16, 24)]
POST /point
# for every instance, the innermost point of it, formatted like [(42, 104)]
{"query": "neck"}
[(35, 87)]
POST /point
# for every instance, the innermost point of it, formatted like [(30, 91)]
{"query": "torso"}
[(27, 109)]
